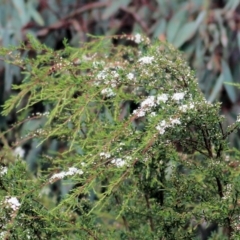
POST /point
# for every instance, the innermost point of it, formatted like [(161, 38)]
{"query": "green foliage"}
[(155, 171)]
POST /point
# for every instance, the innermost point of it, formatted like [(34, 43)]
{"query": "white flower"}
[(163, 123), (71, 171), (13, 203), (138, 38), (146, 60), (148, 102), (119, 162), (130, 76), (115, 74), (183, 108), (178, 96), (105, 155), (191, 106), (3, 235), (162, 98), (3, 170), (160, 129), (102, 75), (162, 126), (139, 113), (145, 106), (175, 121), (108, 92), (19, 152)]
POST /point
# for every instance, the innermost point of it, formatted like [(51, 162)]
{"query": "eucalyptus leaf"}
[(227, 75), (174, 24), (216, 89), (21, 9), (35, 14), (114, 7), (188, 30)]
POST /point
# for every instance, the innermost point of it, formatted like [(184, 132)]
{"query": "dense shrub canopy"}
[(143, 154)]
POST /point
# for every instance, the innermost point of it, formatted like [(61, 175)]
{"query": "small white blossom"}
[(102, 75), (119, 162), (105, 155), (108, 92), (71, 171), (115, 74), (19, 152), (191, 106), (46, 114), (175, 121), (146, 60), (145, 106), (13, 203), (139, 113), (130, 76), (160, 129), (162, 98), (149, 102), (227, 158), (185, 107), (163, 123), (3, 235), (178, 96), (3, 170), (138, 38)]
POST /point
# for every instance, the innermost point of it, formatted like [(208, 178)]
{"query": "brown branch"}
[(85, 8), (137, 19), (150, 219), (65, 21), (207, 143), (220, 190), (123, 217)]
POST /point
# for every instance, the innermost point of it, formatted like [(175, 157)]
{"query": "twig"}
[(150, 219), (66, 20), (86, 8), (137, 19), (123, 217)]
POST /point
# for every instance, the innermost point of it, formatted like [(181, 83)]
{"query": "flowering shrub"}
[(144, 155)]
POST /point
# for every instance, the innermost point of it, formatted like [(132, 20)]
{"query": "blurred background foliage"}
[(208, 32)]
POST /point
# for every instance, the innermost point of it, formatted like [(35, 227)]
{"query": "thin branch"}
[(219, 185), (137, 19), (85, 8), (149, 218), (67, 19), (123, 217)]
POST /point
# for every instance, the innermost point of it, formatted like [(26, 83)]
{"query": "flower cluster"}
[(138, 38), (3, 170), (13, 203), (119, 162), (228, 192), (146, 60), (108, 92), (71, 171), (153, 101), (19, 152), (163, 125)]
